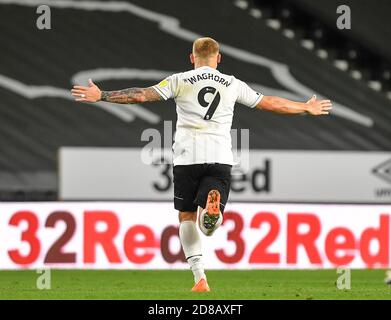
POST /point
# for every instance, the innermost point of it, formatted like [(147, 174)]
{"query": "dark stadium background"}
[(32, 129)]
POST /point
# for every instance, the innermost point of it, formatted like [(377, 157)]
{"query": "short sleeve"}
[(167, 88), (248, 96)]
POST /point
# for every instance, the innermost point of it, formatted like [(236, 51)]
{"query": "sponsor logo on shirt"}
[(163, 83)]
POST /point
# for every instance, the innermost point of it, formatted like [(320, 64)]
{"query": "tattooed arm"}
[(132, 95)]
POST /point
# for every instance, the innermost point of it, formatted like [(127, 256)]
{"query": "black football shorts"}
[(193, 182)]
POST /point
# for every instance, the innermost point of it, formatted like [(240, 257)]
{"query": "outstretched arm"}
[(132, 95), (285, 106)]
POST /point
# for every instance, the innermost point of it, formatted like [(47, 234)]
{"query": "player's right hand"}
[(87, 94), (318, 107)]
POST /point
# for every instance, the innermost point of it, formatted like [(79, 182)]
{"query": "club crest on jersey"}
[(208, 76)]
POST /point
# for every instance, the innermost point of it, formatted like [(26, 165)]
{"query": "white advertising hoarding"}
[(142, 235), (280, 176)]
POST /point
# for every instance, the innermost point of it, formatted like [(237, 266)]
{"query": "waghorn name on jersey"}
[(205, 100), (207, 76)]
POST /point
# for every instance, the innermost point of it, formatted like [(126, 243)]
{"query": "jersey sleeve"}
[(247, 96), (168, 87)]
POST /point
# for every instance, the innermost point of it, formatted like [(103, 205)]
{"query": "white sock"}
[(192, 247), (197, 266)]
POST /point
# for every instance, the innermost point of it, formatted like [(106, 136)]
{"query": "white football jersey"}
[(205, 100)]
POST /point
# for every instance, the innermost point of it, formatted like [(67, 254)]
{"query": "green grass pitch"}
[(225, 284)]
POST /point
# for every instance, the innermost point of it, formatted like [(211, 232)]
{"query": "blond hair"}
[(205, 48)]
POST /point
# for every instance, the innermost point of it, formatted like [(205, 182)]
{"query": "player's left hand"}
[(87, 94), (318, 107)]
